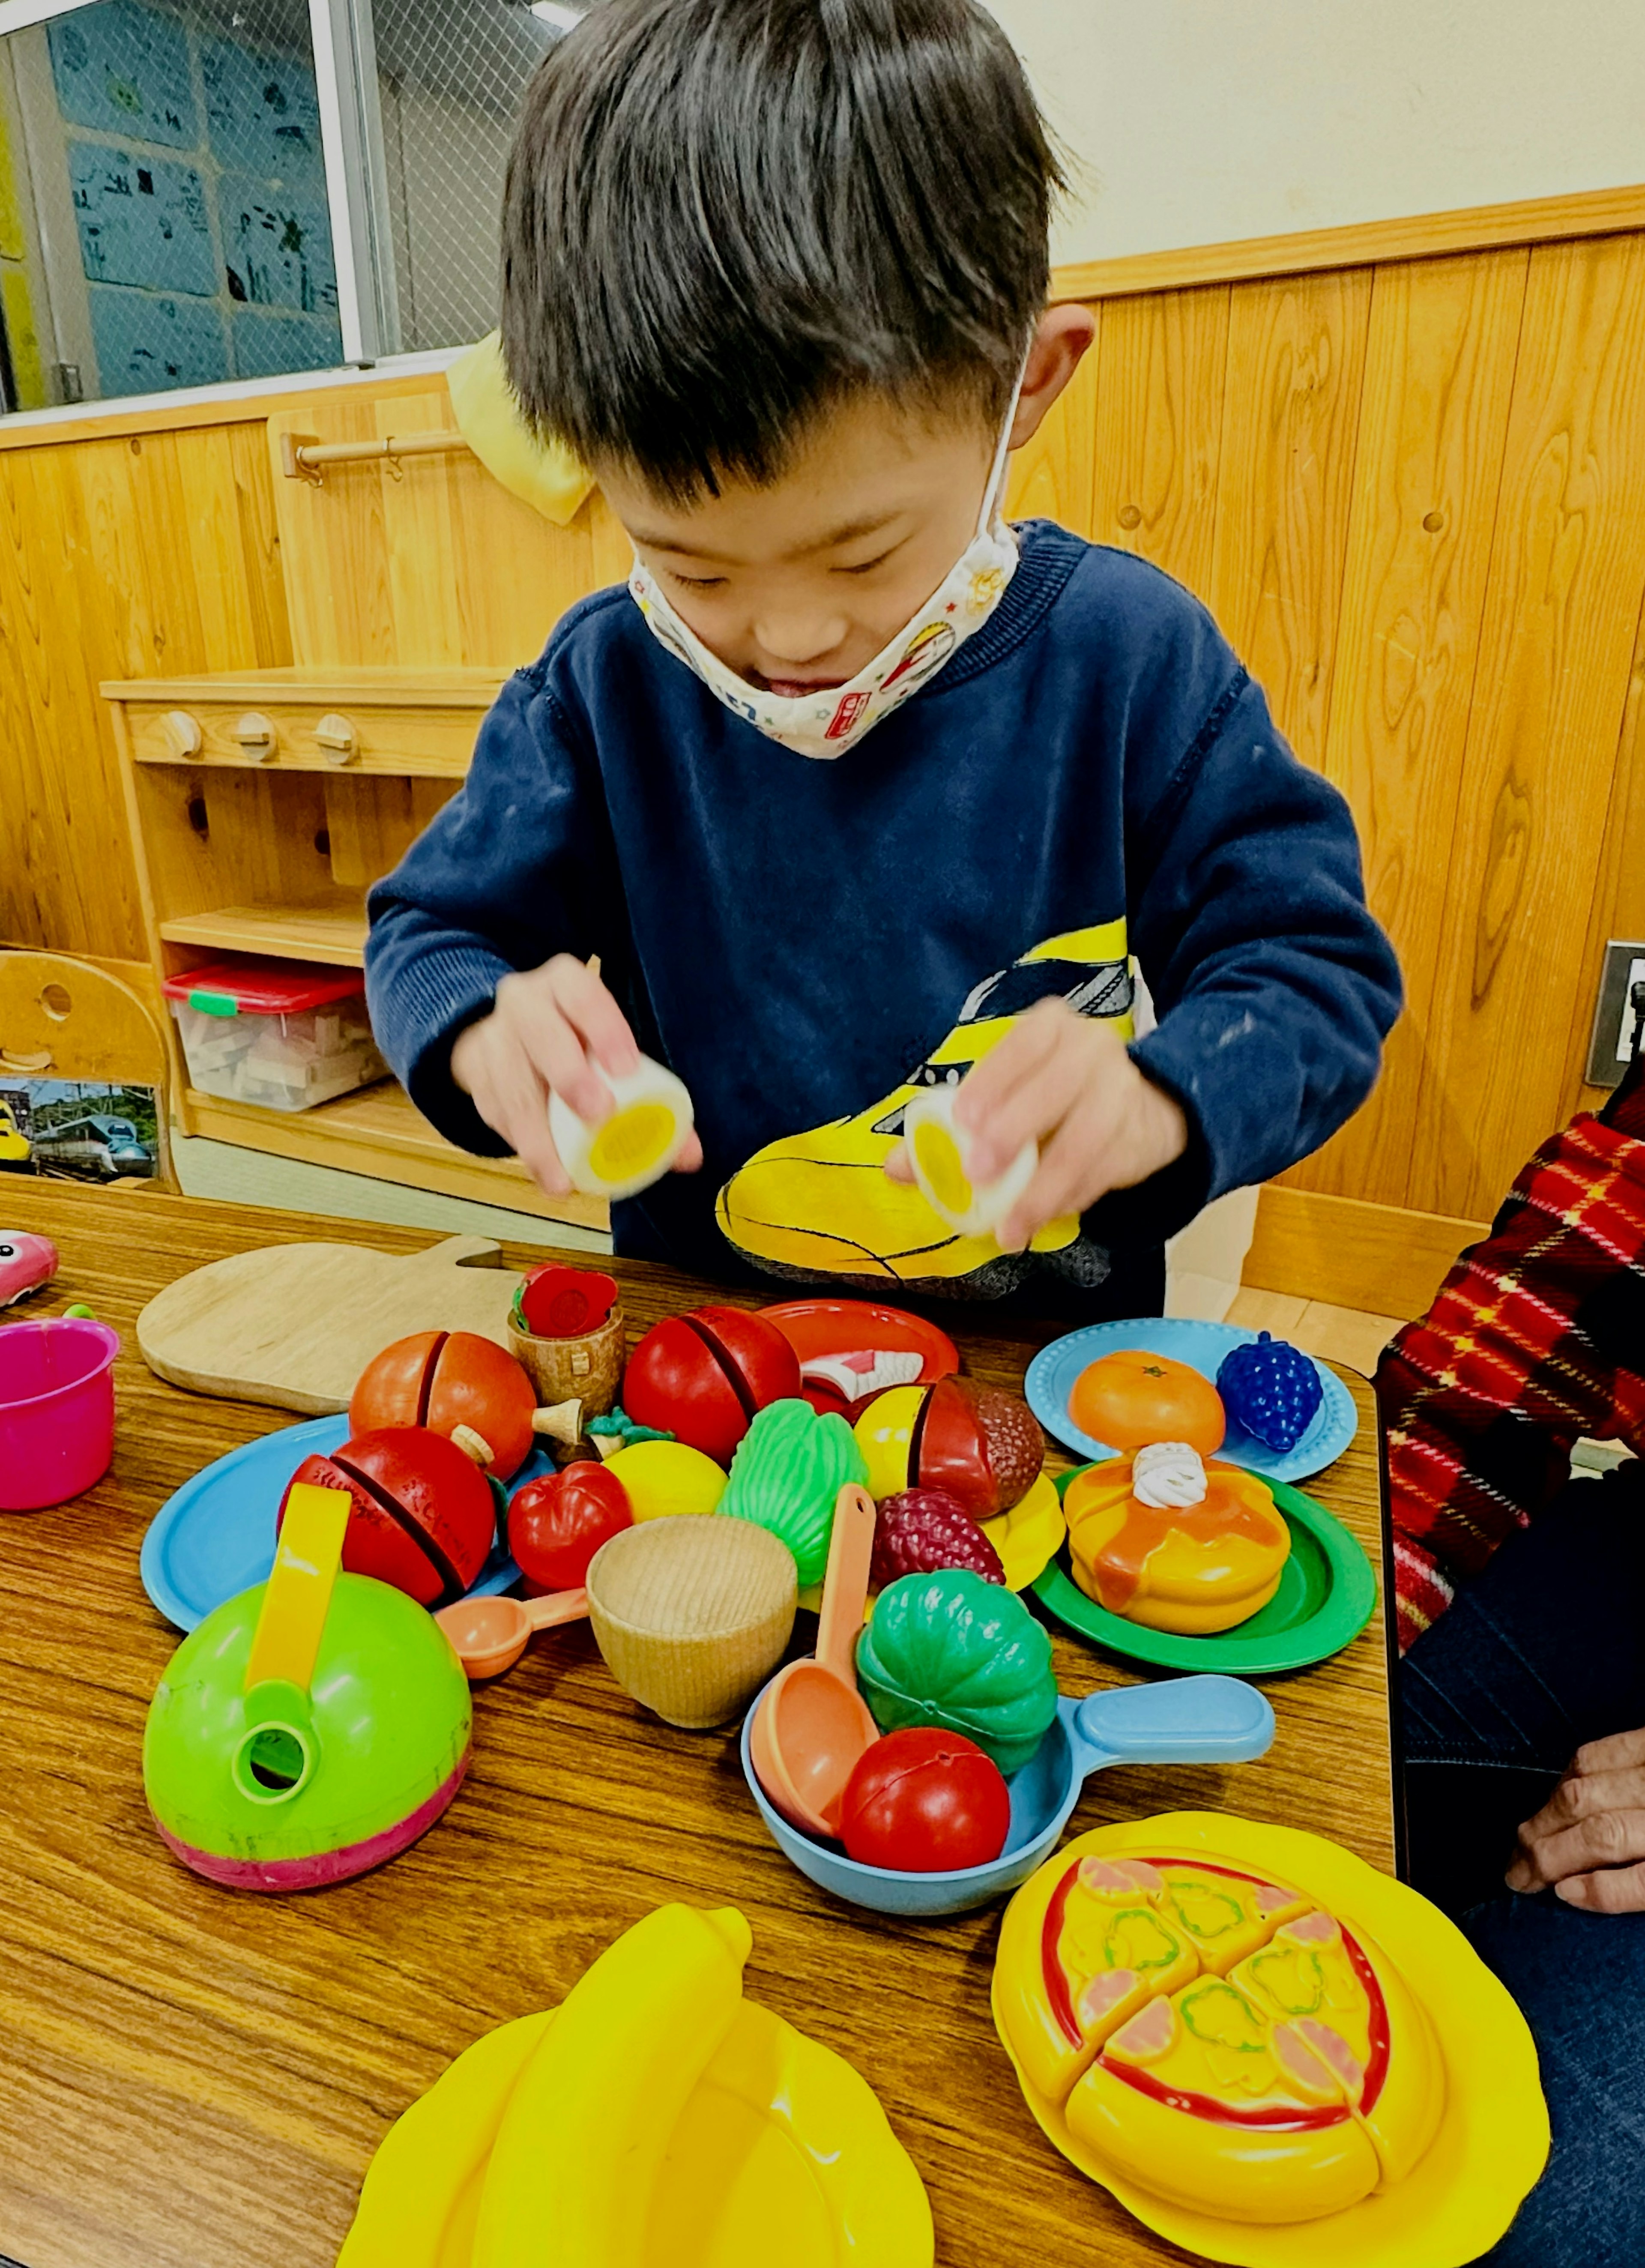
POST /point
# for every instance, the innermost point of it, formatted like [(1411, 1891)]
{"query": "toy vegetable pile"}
[(1163, 1534)]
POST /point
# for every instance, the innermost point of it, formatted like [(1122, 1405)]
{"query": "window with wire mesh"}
[(450, 74), (163, 207)]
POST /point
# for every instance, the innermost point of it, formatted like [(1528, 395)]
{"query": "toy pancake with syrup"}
[(1175, 1541)]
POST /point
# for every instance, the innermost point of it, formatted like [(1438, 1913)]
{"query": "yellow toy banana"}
[(421, 2197), (583, 2136)]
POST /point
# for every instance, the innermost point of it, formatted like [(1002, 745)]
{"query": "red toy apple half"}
[(701, 1377)]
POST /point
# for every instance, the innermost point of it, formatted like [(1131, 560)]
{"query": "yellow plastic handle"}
[(295, 1605)]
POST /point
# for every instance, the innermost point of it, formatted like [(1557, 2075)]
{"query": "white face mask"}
[(827, 724)]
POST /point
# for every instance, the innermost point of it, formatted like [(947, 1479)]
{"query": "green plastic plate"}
[(1325, 1597)]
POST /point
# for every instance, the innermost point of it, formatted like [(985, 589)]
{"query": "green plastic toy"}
[(954, 1651), (789, 1467), (308, 1728)]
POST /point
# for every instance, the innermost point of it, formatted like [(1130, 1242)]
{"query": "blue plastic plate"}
[(1054, 1370), (216, 1537)]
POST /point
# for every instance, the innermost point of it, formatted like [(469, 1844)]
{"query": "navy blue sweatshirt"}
[(1092, 778)]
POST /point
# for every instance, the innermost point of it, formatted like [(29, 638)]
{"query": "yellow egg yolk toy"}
[(1189, 1567), (939, 1152), (636, 1144)]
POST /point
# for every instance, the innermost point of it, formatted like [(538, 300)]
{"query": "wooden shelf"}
[(286, 932), (379, 1131)]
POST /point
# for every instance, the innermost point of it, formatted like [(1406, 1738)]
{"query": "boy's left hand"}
[(1587, 1841), (1069, 1085)]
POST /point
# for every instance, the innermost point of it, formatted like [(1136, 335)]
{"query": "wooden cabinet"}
[(263, 805)]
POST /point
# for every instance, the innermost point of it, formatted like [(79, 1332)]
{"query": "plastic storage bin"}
[(284, 1034)]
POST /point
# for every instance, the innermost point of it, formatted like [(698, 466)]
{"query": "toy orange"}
[(1218, 2039), (446, 1378), (1132, 1398), (1189, 1568)]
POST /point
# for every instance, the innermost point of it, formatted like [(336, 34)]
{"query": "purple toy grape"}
[(926, 1532), (1272, 1389)]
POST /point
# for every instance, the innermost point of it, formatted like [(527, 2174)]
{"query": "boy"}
[(856, 786)]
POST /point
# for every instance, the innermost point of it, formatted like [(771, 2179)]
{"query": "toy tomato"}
[(923, 1802), (557, 1524), (446, 1378), (701, 1376), (977, 1444), (1131, 1398), (424, 1515)]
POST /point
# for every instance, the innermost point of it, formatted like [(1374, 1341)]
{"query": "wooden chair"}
[(65, 1019)]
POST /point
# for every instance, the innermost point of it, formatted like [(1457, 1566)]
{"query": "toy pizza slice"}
[(1206, 1555), (1216, 2037)]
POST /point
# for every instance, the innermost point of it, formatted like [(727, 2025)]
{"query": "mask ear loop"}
[(994, 495)]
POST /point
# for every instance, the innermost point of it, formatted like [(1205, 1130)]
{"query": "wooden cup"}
[(586, 1370), (692, 1613)]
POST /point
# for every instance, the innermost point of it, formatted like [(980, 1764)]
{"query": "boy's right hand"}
[(555, 1030)]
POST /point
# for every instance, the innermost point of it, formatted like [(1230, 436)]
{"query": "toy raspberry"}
[(1272, 1389), (925, 1532)]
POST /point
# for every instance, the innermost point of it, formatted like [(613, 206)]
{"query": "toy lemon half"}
[(1451, 2176), (1192, 1570), (939, 1153), (636, 1144)]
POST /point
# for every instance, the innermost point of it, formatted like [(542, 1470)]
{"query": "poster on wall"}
[(78, 1130)]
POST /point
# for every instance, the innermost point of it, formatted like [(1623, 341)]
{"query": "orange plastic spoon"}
[(489, 1635), (812, 1723)]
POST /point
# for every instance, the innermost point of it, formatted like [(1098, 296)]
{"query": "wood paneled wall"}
[(1413, 489)]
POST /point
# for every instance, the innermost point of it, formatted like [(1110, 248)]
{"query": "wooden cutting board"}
[(295, 1324)]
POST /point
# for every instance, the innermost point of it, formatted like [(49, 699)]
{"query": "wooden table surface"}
[(194, 2077)]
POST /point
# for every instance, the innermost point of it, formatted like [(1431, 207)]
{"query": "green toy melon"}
[(954, 1651), (789, 1470)]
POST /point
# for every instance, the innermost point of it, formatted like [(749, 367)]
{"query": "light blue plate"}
[(216, 1537), (1054, 1370)]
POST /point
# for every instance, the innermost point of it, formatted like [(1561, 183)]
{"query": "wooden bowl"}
[(586, 1370), (692, 1613)]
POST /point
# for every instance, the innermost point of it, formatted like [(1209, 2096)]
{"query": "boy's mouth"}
[(793, 688)]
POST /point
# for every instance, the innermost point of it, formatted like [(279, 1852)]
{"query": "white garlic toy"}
[(636, 1144), (939, 1152)]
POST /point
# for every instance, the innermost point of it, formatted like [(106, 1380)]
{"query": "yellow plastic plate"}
[(1030, 1536), (782, 2145), (1493, 2140)]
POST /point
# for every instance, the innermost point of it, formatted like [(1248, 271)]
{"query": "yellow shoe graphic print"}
[(820, 1203)]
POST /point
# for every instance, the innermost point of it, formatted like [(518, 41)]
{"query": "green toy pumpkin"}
[(789, 1470), (954, 1651)]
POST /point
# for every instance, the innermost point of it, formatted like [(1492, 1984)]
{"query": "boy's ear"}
[(1062, 337)]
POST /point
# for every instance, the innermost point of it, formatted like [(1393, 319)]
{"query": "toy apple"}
[(446, 1378), (557, 1524), (924, 1801), (701, 1376), (977, 1444), (424, 1516)]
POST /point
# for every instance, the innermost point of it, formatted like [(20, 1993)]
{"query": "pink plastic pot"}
[(56, 1410)]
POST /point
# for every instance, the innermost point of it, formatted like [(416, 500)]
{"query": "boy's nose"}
[(799, 640)]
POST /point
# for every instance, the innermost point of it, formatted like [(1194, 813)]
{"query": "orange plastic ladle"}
[(489, 1635), (811, 1724)]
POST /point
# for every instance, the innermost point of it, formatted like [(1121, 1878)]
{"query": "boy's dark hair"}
[(721, 216)]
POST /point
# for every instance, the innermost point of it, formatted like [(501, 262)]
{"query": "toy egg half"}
[(280, 1789), (636, 1144), (939, 1152)]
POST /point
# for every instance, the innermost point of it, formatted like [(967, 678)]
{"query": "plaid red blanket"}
[(1536, 1337)]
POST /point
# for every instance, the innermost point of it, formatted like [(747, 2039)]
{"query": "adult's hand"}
[(1587, 1841)]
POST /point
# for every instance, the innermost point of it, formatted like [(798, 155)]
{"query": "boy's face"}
[(797, 584)]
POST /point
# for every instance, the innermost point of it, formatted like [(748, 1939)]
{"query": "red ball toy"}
[(558, 1523), (702, 1376), (424, 1516), (446, 1378), (924, 1801)]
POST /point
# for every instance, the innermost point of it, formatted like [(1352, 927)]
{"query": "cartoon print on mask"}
[(820, 1203)]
